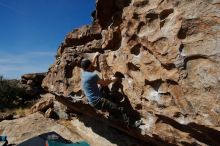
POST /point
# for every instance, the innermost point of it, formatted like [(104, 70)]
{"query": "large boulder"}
[(169, 55), (32, 83), (36, 126), (43, 104)]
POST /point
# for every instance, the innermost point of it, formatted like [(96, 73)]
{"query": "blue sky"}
[(32, 30)]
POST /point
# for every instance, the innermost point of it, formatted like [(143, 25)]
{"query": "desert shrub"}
[(10, 92)]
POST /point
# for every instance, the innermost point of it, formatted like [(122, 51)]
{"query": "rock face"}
[(42, 105), (52, 109), (32, 83), (21, 130), (168, 52)]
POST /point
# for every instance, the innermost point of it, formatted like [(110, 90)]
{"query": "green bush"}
[(10, 92)]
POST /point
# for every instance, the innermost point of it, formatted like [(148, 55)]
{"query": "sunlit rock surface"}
[(23, 130), (168, 52)]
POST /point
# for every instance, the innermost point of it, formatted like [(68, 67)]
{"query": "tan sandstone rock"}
[(23, 129), (168, 52), (43, 104)]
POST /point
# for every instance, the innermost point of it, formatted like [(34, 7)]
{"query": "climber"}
[(90, 81)]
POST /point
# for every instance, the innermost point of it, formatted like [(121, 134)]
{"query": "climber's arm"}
[(94, 61), (106, 82), (103, 82)]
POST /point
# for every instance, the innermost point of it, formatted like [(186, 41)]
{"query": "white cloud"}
[(41, 53), (14, 65), (9, 7), (11, 60)]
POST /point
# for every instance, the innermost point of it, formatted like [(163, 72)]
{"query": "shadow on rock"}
[(111, 134), (201, 133), (118, 96)]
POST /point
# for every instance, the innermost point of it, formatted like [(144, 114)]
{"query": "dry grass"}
[(23, 111), (19, 111)]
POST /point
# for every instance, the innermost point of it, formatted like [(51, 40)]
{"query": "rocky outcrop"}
[(43, 104), (32, 83), (52, 108), (168, 53), (35, 126)]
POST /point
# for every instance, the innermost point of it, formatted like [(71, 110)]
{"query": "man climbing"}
[(90, 82)]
